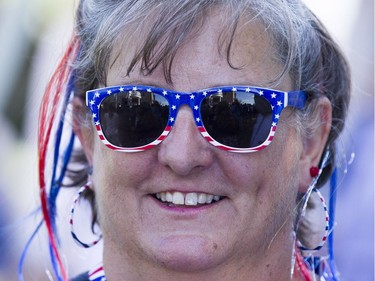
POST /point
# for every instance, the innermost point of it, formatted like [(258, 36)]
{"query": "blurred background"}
[(34, 34)]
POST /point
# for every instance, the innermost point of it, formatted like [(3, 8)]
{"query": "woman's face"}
[(258, 190)]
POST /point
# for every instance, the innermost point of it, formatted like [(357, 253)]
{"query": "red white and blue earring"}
[(81, 191), (313, 228), (313, 225)]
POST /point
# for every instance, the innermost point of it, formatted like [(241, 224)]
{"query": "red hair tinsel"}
[(52, 98), (301, 267)]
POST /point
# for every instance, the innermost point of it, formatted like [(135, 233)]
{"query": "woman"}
[(197, 196)]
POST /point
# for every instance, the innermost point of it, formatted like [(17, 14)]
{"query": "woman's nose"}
[(184, 149)]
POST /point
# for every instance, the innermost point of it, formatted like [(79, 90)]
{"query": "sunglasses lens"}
[(132, 119), (237, 119)]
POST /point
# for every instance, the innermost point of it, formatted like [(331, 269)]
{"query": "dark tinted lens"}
[(133, 118), (237, 119)]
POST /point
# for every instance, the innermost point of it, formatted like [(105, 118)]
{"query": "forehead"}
[(211, 46)]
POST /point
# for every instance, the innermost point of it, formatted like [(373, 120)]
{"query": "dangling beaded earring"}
[(310, 236), (76, 199), (314, 237)]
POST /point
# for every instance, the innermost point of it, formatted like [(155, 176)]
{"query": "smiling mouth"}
[(187, 199)]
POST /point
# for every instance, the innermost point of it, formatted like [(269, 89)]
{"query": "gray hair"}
[(303, 46)]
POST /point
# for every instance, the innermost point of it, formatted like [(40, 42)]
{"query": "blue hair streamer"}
[(55, 182), (66, 158), (25, 250), (332, 204)]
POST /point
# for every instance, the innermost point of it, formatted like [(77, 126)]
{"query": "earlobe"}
[(83, 132), (315, 143)]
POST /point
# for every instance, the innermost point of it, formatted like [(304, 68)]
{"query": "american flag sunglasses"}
[(133, 118)]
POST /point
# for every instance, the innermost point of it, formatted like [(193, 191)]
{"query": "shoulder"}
[(81, 277)]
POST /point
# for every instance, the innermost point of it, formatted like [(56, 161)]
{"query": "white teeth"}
[(163, 196), (202, 198), (188, 199), (191, 199), (169, 197), (178, 198)]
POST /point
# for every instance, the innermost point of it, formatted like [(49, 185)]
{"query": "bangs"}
[(163, 36)]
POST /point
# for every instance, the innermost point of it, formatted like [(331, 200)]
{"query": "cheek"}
[(116, 179), (284, 155), (118, 168), (273, 168), (106, 180), (266, 184), (279, 178)]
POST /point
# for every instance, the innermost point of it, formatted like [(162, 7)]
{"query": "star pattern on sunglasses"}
[(199, 101)]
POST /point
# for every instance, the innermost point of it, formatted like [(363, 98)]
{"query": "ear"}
[(315, 141), (82, 130)]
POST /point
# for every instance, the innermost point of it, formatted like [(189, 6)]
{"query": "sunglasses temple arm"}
[(297, 99)]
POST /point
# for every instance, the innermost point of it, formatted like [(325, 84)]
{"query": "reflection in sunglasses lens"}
[(133, 118), (237, 119), (137, 118)]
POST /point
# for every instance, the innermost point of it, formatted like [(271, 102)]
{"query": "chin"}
[(187, 253)]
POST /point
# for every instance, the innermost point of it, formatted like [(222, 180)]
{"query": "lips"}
[(187, 199)]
